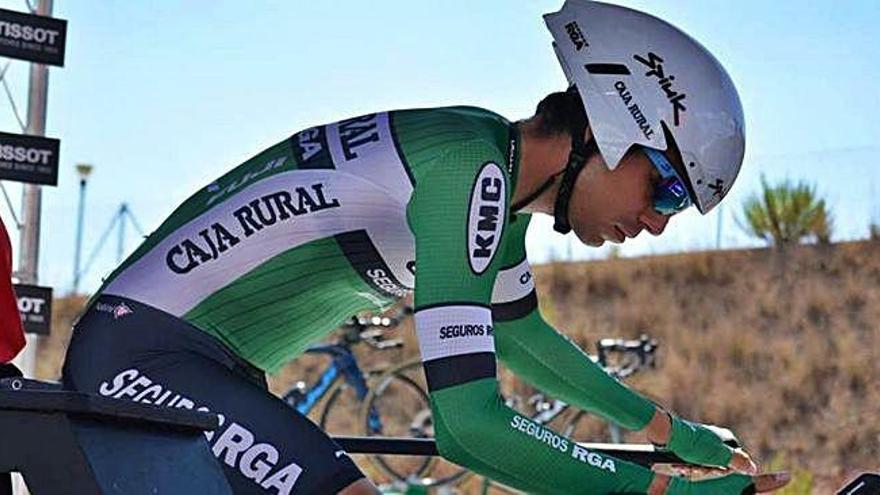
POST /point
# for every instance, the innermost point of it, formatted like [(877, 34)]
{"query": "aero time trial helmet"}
[(640, 78)]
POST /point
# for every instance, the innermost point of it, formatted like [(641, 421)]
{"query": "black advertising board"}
[(34, 38), (31, 159), (35, 307)]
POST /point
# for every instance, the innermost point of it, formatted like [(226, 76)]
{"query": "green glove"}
[(732, 484), (695, 443)]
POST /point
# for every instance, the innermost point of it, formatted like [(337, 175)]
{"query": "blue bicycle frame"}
[(343, 363)]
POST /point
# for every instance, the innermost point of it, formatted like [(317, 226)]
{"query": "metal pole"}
[(83, 170), (79, 227), (31, 199), (29, 242), (120, 245), (720, 224)]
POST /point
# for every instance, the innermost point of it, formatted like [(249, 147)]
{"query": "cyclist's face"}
[(614, 205)]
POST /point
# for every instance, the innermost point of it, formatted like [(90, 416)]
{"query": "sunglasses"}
[(670, 194)]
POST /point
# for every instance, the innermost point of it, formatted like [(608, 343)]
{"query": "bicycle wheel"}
[(341, 412), (398, 406)]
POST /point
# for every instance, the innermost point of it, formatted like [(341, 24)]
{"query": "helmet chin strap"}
[(580, 153)]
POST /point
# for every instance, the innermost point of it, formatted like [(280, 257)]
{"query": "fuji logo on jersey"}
[(221, 190), (211, 242), (486, 216)]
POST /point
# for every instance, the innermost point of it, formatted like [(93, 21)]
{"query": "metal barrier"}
[(65, 442)]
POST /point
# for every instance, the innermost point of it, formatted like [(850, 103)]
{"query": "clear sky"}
[(163, 96)]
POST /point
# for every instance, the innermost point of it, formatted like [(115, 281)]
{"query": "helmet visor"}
[(670, 194)]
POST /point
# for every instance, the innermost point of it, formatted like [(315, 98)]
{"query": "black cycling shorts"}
[(127, 350)]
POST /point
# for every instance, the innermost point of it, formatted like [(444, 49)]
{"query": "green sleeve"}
[(551, 362), (457, 213)]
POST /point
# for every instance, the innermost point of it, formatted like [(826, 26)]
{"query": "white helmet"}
[(636, 74)]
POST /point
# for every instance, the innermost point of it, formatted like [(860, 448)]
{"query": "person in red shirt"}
[(11, 332)]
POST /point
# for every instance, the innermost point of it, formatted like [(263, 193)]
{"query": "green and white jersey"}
[(286, 246), (353, 215)]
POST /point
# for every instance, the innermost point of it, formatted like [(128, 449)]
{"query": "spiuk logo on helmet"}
[(655, 64)]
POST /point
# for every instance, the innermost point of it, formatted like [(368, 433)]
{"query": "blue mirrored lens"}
[(670, 195)]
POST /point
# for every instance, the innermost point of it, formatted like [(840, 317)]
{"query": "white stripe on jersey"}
[(372, 159), (513, 284), (370, 182), (445, 331), (363, 205)]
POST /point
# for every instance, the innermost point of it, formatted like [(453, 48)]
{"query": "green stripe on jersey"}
[(425, 134), (278, 309)]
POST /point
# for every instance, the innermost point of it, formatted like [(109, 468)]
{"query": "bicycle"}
[(344, 374)]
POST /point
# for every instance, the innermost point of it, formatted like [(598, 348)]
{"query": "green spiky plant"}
[(787, 213)]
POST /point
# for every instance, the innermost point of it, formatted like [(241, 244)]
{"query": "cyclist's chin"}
[(592, 239)]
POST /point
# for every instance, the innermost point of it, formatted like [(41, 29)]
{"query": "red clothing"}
[(11, 332)]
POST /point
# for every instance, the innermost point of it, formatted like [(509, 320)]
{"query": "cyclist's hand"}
[(696, 443), (771, 481), (742, 462), (733, 484)]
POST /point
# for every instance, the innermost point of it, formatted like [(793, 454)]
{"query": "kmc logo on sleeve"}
[(486, 216)]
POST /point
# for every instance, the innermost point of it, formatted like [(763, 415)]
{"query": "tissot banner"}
[(35, 306), (34, 38), (30, 159)]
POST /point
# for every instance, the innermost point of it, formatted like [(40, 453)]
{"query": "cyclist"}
[(341, 218)]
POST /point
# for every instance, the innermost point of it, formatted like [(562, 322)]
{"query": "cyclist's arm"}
[(453, 319), (548, 360)]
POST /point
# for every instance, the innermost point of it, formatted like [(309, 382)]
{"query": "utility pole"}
[(29, 242), (120, 245)]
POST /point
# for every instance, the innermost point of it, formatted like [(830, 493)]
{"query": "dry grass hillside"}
[(782, 349)]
